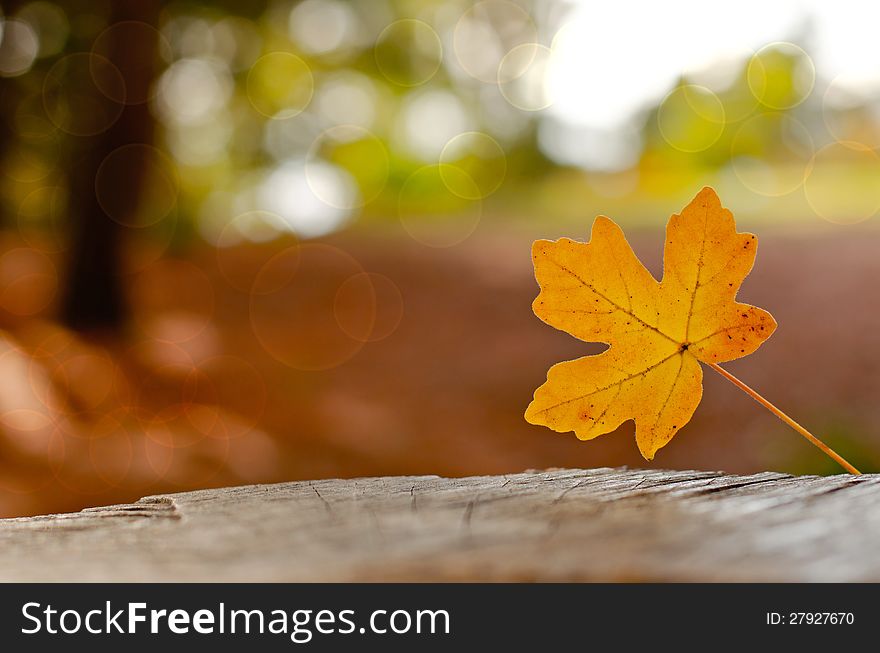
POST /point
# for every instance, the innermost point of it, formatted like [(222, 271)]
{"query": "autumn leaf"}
[(658, 332)]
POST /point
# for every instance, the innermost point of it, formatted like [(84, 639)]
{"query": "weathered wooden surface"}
[(600, 524)]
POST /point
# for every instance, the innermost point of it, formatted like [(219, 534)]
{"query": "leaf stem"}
[(785, 418)]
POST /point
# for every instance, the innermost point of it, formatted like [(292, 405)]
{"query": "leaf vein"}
[(610, 385), (725, 330), (687, 327), (616, 305), (672, 389)]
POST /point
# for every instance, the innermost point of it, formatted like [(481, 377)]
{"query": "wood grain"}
[(557, 525)]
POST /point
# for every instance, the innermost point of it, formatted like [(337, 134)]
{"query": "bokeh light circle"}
[(201, 406), (72, 377), (850, 116), (192, 97), (41, 217), (179, 425), (522, 77), (19, 46), (89, 376), (368, 306), (187, 398), (170, 425), (26, 420), (83, 93), (781, 75), (738, 106), (280, 85), (92, 457), (724, 74), (138, 37), (691, 118), (356, 151), (431, 213), (112, 185), (271, 279), (408, 52), (292, 307), (50, 23), (30, 120), (480, 157), (181, 454), (770, 153), (158, 362), (244, 245), (26, 164), (841, 183), (488, 31), (255, 226), (26, 423)]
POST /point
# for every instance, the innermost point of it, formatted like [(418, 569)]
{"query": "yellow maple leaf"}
[(658, 332)]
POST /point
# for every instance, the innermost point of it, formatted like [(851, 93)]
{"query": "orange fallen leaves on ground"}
[(658, 332)]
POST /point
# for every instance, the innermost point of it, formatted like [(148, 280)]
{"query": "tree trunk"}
[(94, 298)]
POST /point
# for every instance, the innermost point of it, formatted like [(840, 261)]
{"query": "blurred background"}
[(265, 241)]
